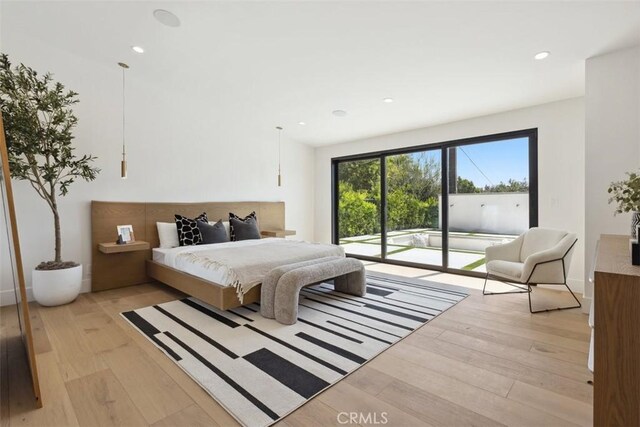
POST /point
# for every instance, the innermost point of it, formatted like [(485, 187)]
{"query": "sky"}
[(499, 161)]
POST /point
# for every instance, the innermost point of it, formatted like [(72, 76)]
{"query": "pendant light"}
[(123, 163), (279, 144)]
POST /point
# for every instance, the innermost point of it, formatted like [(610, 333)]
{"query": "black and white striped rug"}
[(260, 370)]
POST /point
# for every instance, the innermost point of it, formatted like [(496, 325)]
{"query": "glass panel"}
[(413, 206), (488, 198), (359, 207)]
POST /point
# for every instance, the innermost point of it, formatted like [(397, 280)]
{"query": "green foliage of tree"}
[(512, 186), (39, 124), (361, 175), (466, 186), (357, 213), (407, 211), (626, 194), (415, 174)]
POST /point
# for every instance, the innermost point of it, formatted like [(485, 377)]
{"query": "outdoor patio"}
[(424, 246)]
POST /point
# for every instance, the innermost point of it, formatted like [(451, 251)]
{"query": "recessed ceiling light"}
[(339, 113), (302, 123), (541, 55), (137, 49), (388, 100), (167, 18)]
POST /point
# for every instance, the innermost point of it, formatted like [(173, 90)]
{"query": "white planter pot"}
[(56, 287)]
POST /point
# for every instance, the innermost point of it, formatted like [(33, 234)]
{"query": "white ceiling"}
[(278, 63)]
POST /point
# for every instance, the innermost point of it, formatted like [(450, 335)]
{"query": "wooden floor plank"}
[(570, 321), (532, 332), (430, 407), (485, 403), (346, 398), (539, 324), (563, 407), (534, 360), (560, 353), (69, 343), (481, 378), (368, 380), (155, 395), (192, 416), (313, 414), (101, 332), (100, 400), (444, 323), (507, 367)]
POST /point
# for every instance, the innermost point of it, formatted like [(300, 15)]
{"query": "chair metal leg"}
[(532, 311), (521, 291)]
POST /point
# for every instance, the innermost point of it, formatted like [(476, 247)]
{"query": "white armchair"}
[(540, 255)]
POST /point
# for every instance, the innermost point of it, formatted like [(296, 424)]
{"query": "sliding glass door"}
[(488, 196), (439, 205), (414, 185), (359, 210)]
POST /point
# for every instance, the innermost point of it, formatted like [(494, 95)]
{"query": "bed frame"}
[(116, 270)]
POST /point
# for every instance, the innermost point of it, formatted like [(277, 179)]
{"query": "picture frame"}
[(125, 234)]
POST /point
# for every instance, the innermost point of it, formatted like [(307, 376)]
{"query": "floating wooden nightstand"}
[(277, 233), (114, 248)]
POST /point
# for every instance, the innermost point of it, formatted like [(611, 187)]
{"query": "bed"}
[(216, 270), (182, 267)]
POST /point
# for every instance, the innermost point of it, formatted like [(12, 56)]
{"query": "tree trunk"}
[(56, 224)]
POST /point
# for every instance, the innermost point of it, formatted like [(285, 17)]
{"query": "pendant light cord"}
[(279, 145), (123, 113)]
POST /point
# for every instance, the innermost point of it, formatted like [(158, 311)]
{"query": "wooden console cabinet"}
[(617, 335)]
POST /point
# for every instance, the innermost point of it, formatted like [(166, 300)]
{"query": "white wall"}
[(501, 213), (560, 164), (177, 151), (612, 107)]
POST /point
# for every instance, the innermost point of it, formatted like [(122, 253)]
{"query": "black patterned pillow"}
[(232, 233), (188, 231)]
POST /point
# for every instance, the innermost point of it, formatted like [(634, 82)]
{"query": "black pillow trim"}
[(188, 231), (232, 233)]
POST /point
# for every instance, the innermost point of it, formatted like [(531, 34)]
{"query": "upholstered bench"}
[(268, 288), (348, 274)]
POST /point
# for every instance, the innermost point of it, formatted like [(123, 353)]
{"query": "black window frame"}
[(531, 134)]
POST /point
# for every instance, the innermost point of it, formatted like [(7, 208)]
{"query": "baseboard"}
[(8, 296), (586, 304)]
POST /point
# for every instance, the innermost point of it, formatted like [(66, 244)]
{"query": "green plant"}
[(39, 124), (626, 194), (357, 215)]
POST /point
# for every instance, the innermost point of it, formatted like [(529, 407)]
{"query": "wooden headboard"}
[(124, 269)]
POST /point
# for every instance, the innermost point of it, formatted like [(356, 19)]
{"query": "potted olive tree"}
[(626, 194), (39, 124)]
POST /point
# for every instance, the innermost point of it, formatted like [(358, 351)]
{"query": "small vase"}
[(635, 222)]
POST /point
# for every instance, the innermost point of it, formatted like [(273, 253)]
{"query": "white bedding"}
[(221, 267)]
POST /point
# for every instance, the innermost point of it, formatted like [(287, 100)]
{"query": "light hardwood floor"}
[(486, 361)]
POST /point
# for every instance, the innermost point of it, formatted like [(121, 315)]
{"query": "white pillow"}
[(226, 227), (168, 234)]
